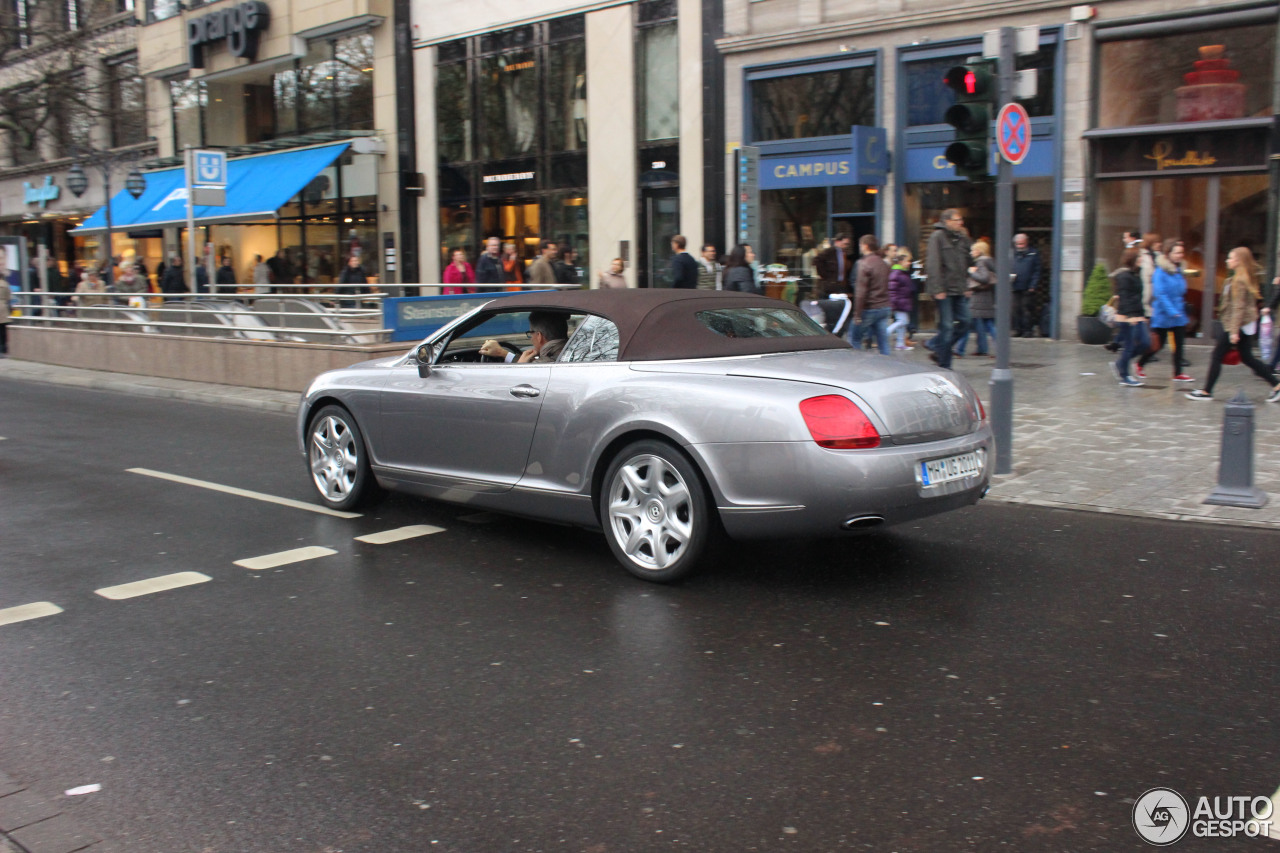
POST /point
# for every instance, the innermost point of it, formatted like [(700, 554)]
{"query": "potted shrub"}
[(1097, 290)]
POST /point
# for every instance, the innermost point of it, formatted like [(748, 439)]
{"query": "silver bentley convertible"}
[(668, 418)]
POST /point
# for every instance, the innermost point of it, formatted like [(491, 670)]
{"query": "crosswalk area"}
[(28, 611)]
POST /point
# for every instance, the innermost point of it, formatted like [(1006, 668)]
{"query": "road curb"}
[(1132, 513), (259, 399)]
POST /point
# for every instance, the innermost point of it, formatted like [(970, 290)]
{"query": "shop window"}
[(797, 226), (314, 78), (1211, 75), (517, 37), (568, 27), (128, 102), (821, 103), (508, 104), (1118, 208), (567, 96), (284, 93), (453, 112), (567, 224), (353, 82), (658, 69)]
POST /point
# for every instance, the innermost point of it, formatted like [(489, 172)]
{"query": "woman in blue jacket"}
[(1168, 308)]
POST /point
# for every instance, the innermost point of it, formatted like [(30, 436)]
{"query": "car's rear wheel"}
[(339, 460), (655, 511)]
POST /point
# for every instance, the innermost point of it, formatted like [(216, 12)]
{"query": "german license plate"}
[(936, 471)]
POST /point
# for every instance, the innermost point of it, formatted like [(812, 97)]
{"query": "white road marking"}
[(23, 612), (386, 537), (244, 493), (284, 558), (150, 585)]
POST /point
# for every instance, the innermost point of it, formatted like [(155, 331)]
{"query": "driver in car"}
[(548, 332)]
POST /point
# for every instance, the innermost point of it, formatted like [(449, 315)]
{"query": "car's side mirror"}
[(425, 355)]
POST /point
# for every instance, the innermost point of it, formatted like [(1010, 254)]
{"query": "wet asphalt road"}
[(1000, 678)]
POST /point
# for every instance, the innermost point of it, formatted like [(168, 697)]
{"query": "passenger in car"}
[(548, 333)]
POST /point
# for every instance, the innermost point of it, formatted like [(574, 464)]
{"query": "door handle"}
[(525, 391)]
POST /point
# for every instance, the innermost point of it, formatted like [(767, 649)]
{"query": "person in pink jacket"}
[(459, 272)]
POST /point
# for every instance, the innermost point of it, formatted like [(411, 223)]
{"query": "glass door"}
[(660, 222)]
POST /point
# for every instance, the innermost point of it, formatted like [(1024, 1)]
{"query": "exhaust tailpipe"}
[(862, 522)]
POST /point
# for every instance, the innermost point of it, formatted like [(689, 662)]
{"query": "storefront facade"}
[(823, 159), (39, 207), (571, 123), (1181, 136), (785, 69), (281, 79)]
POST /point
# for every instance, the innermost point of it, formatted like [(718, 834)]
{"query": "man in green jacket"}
[(947, 268)]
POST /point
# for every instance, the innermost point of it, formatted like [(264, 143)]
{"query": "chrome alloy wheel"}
[(335, 459), (651, 514)]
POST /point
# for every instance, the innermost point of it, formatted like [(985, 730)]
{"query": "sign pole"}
[(189, 157), (1002, 375)]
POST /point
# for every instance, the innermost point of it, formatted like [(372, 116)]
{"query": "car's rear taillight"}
[(982, 410), (837, 422)]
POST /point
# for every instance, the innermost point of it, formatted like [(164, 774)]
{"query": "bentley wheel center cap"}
[(655, 511)]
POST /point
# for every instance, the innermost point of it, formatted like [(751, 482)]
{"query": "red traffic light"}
[(970, 81)]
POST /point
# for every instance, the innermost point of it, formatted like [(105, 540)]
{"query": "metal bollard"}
[(1235, 468)]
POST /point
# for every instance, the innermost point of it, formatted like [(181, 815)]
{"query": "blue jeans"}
[(983, 328), (1135, 339), (952, 311), (901, 322), (874, 320)]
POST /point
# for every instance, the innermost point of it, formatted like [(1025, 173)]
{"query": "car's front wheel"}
[(655, 512), (338, 459)]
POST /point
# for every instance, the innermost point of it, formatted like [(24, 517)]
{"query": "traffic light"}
[(974, 88)]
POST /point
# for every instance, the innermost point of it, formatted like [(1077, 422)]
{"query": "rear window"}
[(770, 322)]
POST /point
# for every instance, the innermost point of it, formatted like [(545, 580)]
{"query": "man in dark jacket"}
[(174, 281), (489, 265), (947, 265), (834, 269), (1026, 275), (684, 269), (225, 276), (565, 264)]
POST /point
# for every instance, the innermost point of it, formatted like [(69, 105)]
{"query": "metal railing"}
[(291, 313), (301, 318)]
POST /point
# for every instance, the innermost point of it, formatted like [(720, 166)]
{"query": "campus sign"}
[(239, 25)]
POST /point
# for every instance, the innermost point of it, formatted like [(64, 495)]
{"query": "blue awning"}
[(257, 187)]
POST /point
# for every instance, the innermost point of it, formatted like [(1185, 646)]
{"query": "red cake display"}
[(1213, 90)]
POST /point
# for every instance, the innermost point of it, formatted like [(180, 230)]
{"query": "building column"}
[(424, 73), (612, 192), (689, 20)]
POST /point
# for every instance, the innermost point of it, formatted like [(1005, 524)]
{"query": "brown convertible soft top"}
[(657, 324)]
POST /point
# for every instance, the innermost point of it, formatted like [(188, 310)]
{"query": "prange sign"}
[(239, 25)]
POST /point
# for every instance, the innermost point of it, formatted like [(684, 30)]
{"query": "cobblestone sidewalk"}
[(1081, 441)]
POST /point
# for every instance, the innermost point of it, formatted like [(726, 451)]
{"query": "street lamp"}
[(135, 183), (77, 180)]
